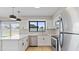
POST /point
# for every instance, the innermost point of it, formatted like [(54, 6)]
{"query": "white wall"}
[(49, 25), (48, 20)]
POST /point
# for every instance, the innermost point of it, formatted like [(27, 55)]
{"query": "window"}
[(9, 30), (5, 30), (37, 26), (14, 30)]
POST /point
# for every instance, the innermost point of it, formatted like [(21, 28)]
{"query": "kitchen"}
[(38, 29), (19, 35)]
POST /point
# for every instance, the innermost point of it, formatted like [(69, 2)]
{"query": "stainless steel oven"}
[(54, 42)]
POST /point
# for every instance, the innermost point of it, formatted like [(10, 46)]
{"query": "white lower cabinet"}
[(33, 40), (10, 45), (27, 43), (44, 41), (20, 47), (14, 45), (23, 44)]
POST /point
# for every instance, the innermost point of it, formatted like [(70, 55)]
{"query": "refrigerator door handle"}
[(69, 33)]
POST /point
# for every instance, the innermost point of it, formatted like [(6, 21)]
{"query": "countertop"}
[(19, 38), (56, 37)]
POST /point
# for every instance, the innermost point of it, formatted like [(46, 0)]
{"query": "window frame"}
[(10, 29), (37, 26)]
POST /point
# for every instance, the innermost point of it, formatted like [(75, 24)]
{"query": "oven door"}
[(54, 43)]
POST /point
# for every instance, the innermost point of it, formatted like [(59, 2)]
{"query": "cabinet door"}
[(33, 40), (25, 43), (47, 40), (20, 45), (10, 45), (40, 41), (44, 41)]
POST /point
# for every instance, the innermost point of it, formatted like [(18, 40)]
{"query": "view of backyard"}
[(9, 30), (37, 26)]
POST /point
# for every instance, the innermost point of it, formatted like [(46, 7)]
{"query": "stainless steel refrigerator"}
[(66, 36)]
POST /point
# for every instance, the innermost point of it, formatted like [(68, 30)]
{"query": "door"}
[(33, 41)]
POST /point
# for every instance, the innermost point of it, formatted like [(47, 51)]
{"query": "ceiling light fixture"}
[(18, 19), (12, 17)]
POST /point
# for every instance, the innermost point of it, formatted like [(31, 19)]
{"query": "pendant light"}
[(18, 19), (13, 17)]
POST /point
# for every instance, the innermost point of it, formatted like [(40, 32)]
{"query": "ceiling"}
[(28, 11)]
